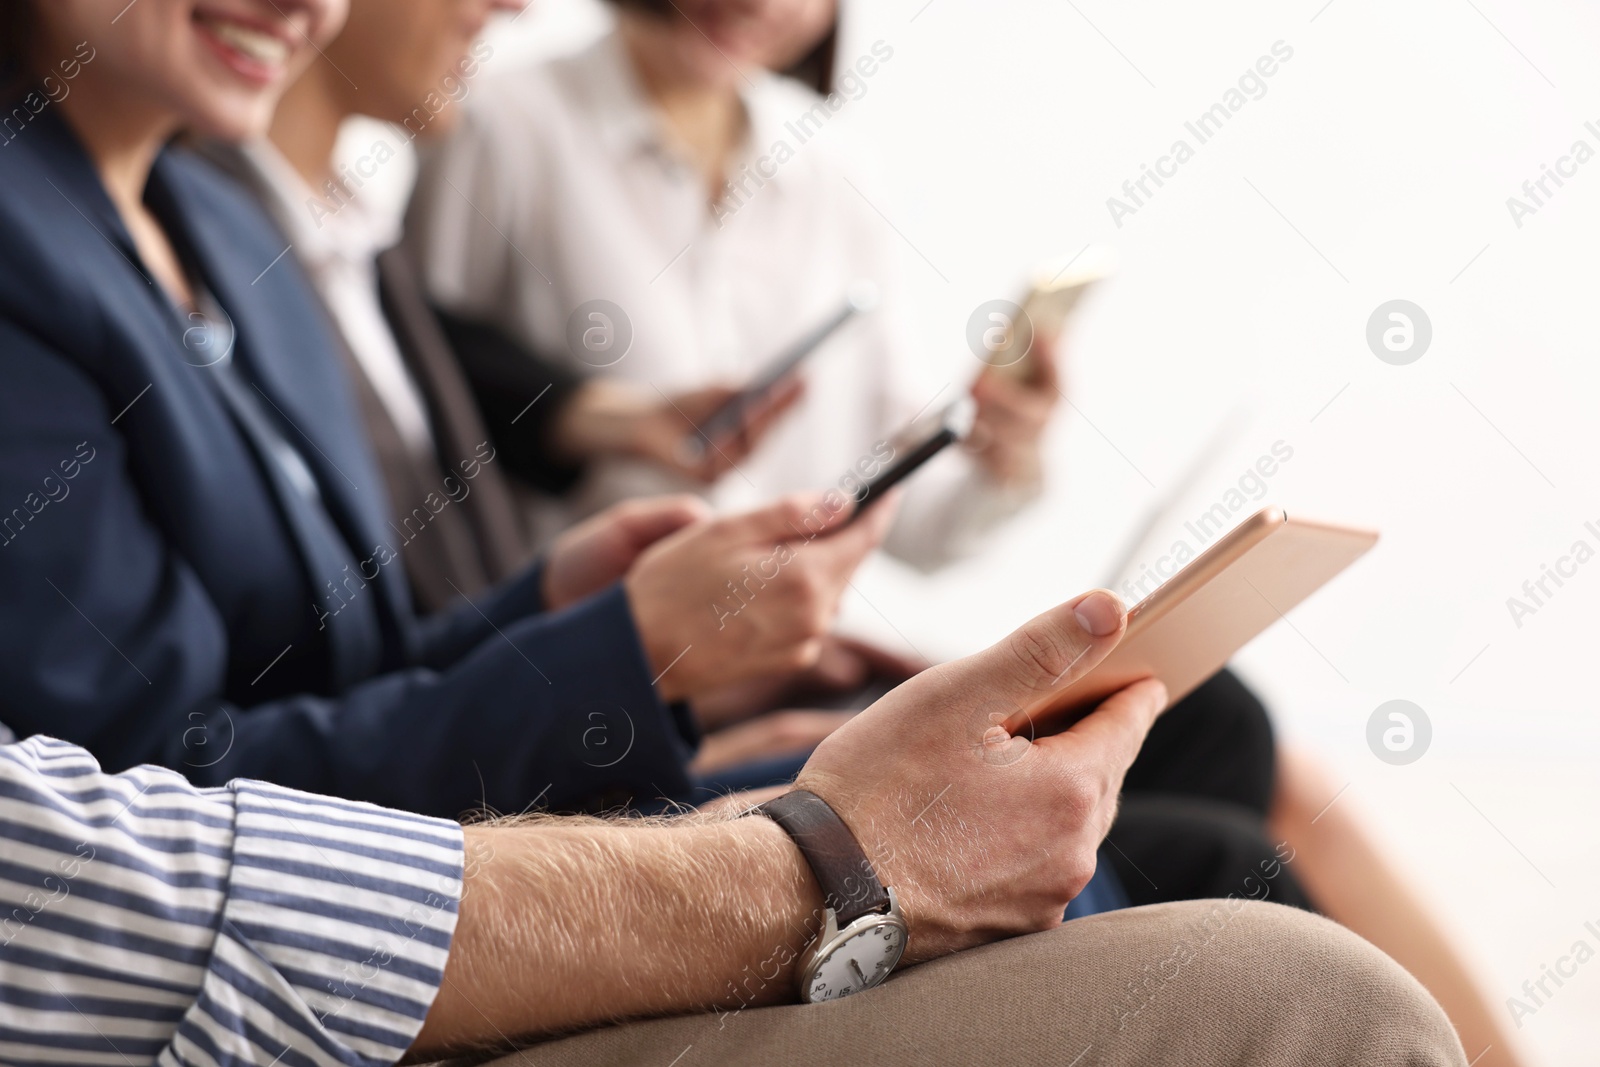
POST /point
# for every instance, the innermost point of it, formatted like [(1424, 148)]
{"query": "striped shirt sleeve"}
[(144, 921)]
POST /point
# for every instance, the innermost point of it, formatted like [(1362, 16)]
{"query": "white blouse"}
[(562, 186)]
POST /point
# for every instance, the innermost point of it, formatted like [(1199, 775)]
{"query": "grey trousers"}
[(1197, 982)]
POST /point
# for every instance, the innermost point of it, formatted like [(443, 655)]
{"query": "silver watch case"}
[(831, 938)]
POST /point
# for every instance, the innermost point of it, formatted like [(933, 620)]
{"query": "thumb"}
[(857, 533), (796, 517), (1047, 653), (698, 404)]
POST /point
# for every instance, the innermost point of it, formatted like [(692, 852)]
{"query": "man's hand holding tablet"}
[(1189, 627), (980, 833)]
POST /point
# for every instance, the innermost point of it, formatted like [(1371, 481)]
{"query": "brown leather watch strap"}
[(849, 885)]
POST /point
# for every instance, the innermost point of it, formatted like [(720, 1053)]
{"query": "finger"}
[(850, 537), (1046, 364), (712, 464), (779, 398), (692, 409), (762, 421), (699, 403), (982, 434), (644, 522), (760, 424), (1047, 653), (701, 474), (762, 416), (1016, 434), (838, 547), (1043, 381), (740, 443), (840, 669), (757, 412), (1110, 736), (1003, 401)]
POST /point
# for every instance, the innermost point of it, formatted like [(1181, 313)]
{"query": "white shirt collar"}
[(627, 122), (323, 227), (623, 116)]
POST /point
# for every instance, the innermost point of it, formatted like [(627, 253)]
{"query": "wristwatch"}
[(863, 934)]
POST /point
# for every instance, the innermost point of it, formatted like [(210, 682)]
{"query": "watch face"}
[(859, 960)]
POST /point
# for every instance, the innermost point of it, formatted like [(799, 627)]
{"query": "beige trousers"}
[(1198, 982)]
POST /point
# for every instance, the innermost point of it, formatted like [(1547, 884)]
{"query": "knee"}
[(1328, 995), (1204, 981)]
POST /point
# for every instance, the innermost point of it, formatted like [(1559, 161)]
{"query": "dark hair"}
[(814, 69)]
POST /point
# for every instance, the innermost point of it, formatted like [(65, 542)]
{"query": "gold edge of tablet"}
[(1370, 535), (1206, 566)]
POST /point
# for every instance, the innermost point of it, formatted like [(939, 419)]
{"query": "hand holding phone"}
[(925, 441), (861, 297), (1057, 290)]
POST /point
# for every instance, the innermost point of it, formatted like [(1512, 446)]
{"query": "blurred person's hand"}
[(845, 666), (750, 595), (981, 834), (598, 551), (778, 733), (1013, 416), (670, 436), (606, 417)]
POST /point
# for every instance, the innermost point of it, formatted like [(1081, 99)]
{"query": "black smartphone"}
[(725, 420), (926, 441)]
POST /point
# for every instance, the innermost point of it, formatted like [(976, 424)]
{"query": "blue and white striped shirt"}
[(145, 921)]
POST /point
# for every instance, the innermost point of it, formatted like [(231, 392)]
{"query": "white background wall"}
[(1376, 166)]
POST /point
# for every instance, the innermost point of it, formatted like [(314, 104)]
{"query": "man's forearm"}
[(566, 924)]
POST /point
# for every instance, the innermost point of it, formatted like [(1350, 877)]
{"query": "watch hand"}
[(856, 967)]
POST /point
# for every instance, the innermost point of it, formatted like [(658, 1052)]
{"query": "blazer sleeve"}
[(112, 642)]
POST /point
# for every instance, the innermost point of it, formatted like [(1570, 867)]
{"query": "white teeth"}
[(261, 47)]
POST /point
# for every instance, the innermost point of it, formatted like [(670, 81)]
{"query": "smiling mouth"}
[(252, 51)]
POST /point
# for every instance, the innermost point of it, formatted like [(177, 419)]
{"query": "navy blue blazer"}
[(165, 595)]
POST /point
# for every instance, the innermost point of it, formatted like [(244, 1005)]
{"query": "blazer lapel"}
[(306, 383), (79, 185), (302, 380), (477, 539), (293, 370)]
